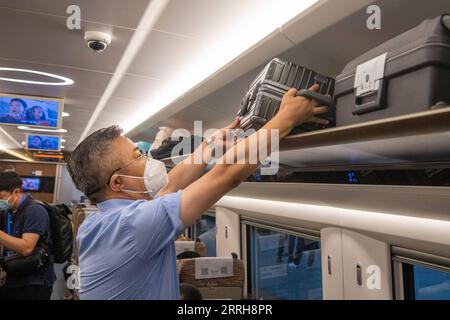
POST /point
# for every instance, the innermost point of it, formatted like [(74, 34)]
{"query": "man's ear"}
[(116, 183)]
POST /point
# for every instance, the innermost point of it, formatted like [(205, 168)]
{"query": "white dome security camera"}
[(97, 41)]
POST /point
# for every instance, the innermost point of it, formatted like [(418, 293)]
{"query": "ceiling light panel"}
[(63, 81)]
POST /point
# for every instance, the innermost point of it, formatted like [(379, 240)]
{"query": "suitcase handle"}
[(377, 104), (321, 99), (445, 20)]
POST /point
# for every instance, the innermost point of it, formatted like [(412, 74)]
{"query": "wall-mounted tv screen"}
[(31, 111), (43, 142), (31, 184), (39, 184)]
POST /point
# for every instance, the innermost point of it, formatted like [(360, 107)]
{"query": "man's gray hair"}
[(89, 164)]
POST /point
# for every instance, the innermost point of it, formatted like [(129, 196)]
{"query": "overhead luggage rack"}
[(414, 139)]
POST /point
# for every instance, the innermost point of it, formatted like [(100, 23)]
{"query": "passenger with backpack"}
[(29, 245)]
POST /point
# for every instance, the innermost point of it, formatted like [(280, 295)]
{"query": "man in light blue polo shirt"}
[(126, 250), (143, 263)]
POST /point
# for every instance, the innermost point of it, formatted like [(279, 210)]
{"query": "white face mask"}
[(5, 205), (155, 177)]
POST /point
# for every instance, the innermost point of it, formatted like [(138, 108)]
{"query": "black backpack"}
[(60, 230)]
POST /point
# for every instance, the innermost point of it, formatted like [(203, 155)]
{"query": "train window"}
[(283, 267), (205, 230), (427, 284)]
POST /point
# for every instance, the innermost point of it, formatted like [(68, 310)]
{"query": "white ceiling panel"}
[(138, 88), (189, 17), (109, 118), (112, 12), (227, 99), (77, 120), (121, 107), (80, 109), (223, 30), (186, 117), (72, 130), (167, 56), (223, 22), (82, 104), (46, 39)]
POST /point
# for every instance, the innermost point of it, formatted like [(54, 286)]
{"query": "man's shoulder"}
[(35, 213), (90, 224), (140, 205), (36, 207), (35, 218), (156, 205), (95, 221)]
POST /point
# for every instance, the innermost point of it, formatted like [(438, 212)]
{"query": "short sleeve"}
[(154, 224), (36, 220)]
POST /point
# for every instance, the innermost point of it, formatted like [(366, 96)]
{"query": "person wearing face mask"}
[(126, 250), (27, 225)]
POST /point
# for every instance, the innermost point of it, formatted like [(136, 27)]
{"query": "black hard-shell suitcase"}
[(410, 73), (264, 95)]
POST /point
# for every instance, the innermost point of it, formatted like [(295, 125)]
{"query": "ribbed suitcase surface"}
[(264, 95)]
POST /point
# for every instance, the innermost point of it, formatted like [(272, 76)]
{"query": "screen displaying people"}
[(39, 142), (27, 111), (30, 184)]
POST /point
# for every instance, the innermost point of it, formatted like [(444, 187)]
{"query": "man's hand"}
[(232, 125), (188, 171), (224, 139), (298, 110)]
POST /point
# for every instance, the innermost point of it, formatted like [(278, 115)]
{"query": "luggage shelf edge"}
[(418, 123)]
